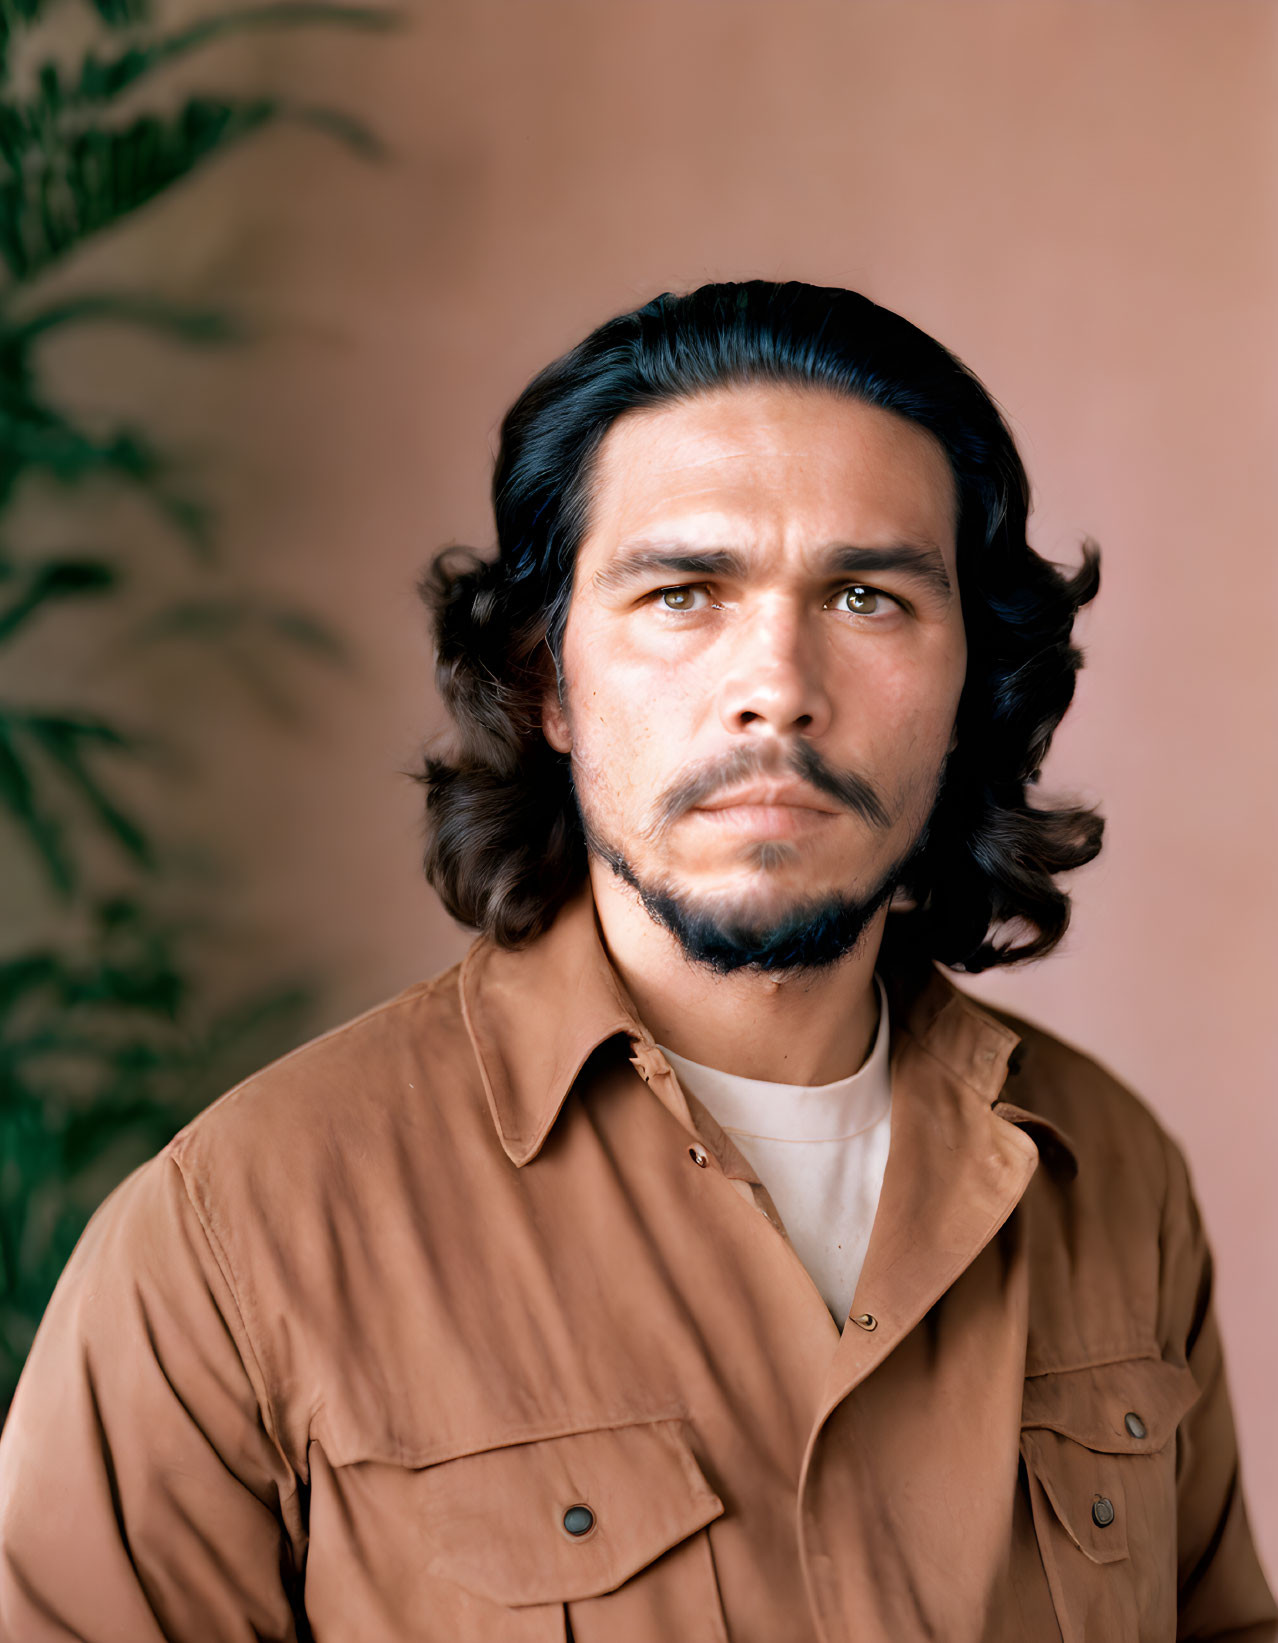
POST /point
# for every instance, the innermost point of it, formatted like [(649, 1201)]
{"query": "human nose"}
[(774, 682)]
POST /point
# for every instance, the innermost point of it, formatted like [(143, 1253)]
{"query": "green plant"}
[(106, 1043)]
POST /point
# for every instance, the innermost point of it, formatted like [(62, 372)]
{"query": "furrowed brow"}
[(926, 565), (636, 564)]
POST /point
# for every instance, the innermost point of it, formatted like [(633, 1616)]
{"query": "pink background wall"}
[(1079, 198)]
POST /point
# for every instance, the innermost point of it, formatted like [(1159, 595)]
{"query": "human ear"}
[(554, 718), (554, 722)]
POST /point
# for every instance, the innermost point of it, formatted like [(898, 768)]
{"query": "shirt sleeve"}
[(1223, 1592), (142, 1493)]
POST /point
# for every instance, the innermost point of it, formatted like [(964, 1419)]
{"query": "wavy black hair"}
[(504, 843)]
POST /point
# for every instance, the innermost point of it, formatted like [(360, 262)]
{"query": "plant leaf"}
[(69, 186), (191, 519), (34, 435), (86, 1135), (102, 79), (43, 830), (119, 14), (308, 632), (199, 325), (344, 127), (229, 617), (56, 579), (24, 975), (63, 739)]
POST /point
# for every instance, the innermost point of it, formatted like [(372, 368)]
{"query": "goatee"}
[(809, 936)]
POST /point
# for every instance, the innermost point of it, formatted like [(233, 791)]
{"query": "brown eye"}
[(679, 598), (862, 601)]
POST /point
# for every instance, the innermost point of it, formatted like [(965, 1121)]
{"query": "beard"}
[(810, 934)]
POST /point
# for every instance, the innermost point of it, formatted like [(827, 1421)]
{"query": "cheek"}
[(618, 698), (908, 708), (621, 727)]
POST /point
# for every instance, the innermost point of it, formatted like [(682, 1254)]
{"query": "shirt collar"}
[(537, 1013), (972, 1041)]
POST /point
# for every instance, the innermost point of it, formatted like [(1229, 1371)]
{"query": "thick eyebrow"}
[(926, 565), (635, 563)]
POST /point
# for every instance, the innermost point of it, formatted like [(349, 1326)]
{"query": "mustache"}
[(848, 789)]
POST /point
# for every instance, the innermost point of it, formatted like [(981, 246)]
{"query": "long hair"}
[(504, 843)]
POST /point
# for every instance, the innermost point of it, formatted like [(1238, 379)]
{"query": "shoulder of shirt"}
[(1104, 1118), (381, 1069)]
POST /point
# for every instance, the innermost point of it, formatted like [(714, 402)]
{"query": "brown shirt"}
[(339, 1361)]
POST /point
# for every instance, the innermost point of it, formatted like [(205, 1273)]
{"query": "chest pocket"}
[(1100, 1460), (608, 1523)]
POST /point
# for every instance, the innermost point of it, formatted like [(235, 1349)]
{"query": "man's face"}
[(763, 655)]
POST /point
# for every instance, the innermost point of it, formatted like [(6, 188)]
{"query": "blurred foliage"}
[(106, 1043)]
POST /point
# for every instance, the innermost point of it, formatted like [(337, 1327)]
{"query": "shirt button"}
[(698, 1157), (578, 1520), (1102, 1512), (1134, 1424)]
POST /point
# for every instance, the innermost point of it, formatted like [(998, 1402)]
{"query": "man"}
[(695, 1261)]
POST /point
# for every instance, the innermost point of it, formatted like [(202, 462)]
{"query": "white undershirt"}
[(819, 1149)]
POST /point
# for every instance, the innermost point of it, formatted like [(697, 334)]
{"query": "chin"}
[(764, 891), (765, 919), (730, 931), (754, 905)]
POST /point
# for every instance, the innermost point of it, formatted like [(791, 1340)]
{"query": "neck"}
[(797, 1027)]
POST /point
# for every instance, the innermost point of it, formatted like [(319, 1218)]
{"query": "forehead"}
[(770, 465)]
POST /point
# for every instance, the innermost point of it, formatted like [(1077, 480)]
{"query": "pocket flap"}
[(1084, 1489), (1086, 1434), (494, 1521), (1127, 1408)]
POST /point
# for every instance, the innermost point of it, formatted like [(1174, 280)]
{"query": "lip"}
[(770, 796), (774, 810)]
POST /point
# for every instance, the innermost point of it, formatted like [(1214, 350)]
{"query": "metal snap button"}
[(698, 1157), (865, 1320), (1134, 1424), (579, 1520), (1102, 1512)]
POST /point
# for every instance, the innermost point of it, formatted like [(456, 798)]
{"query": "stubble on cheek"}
[(611, 763), (602, 799)]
